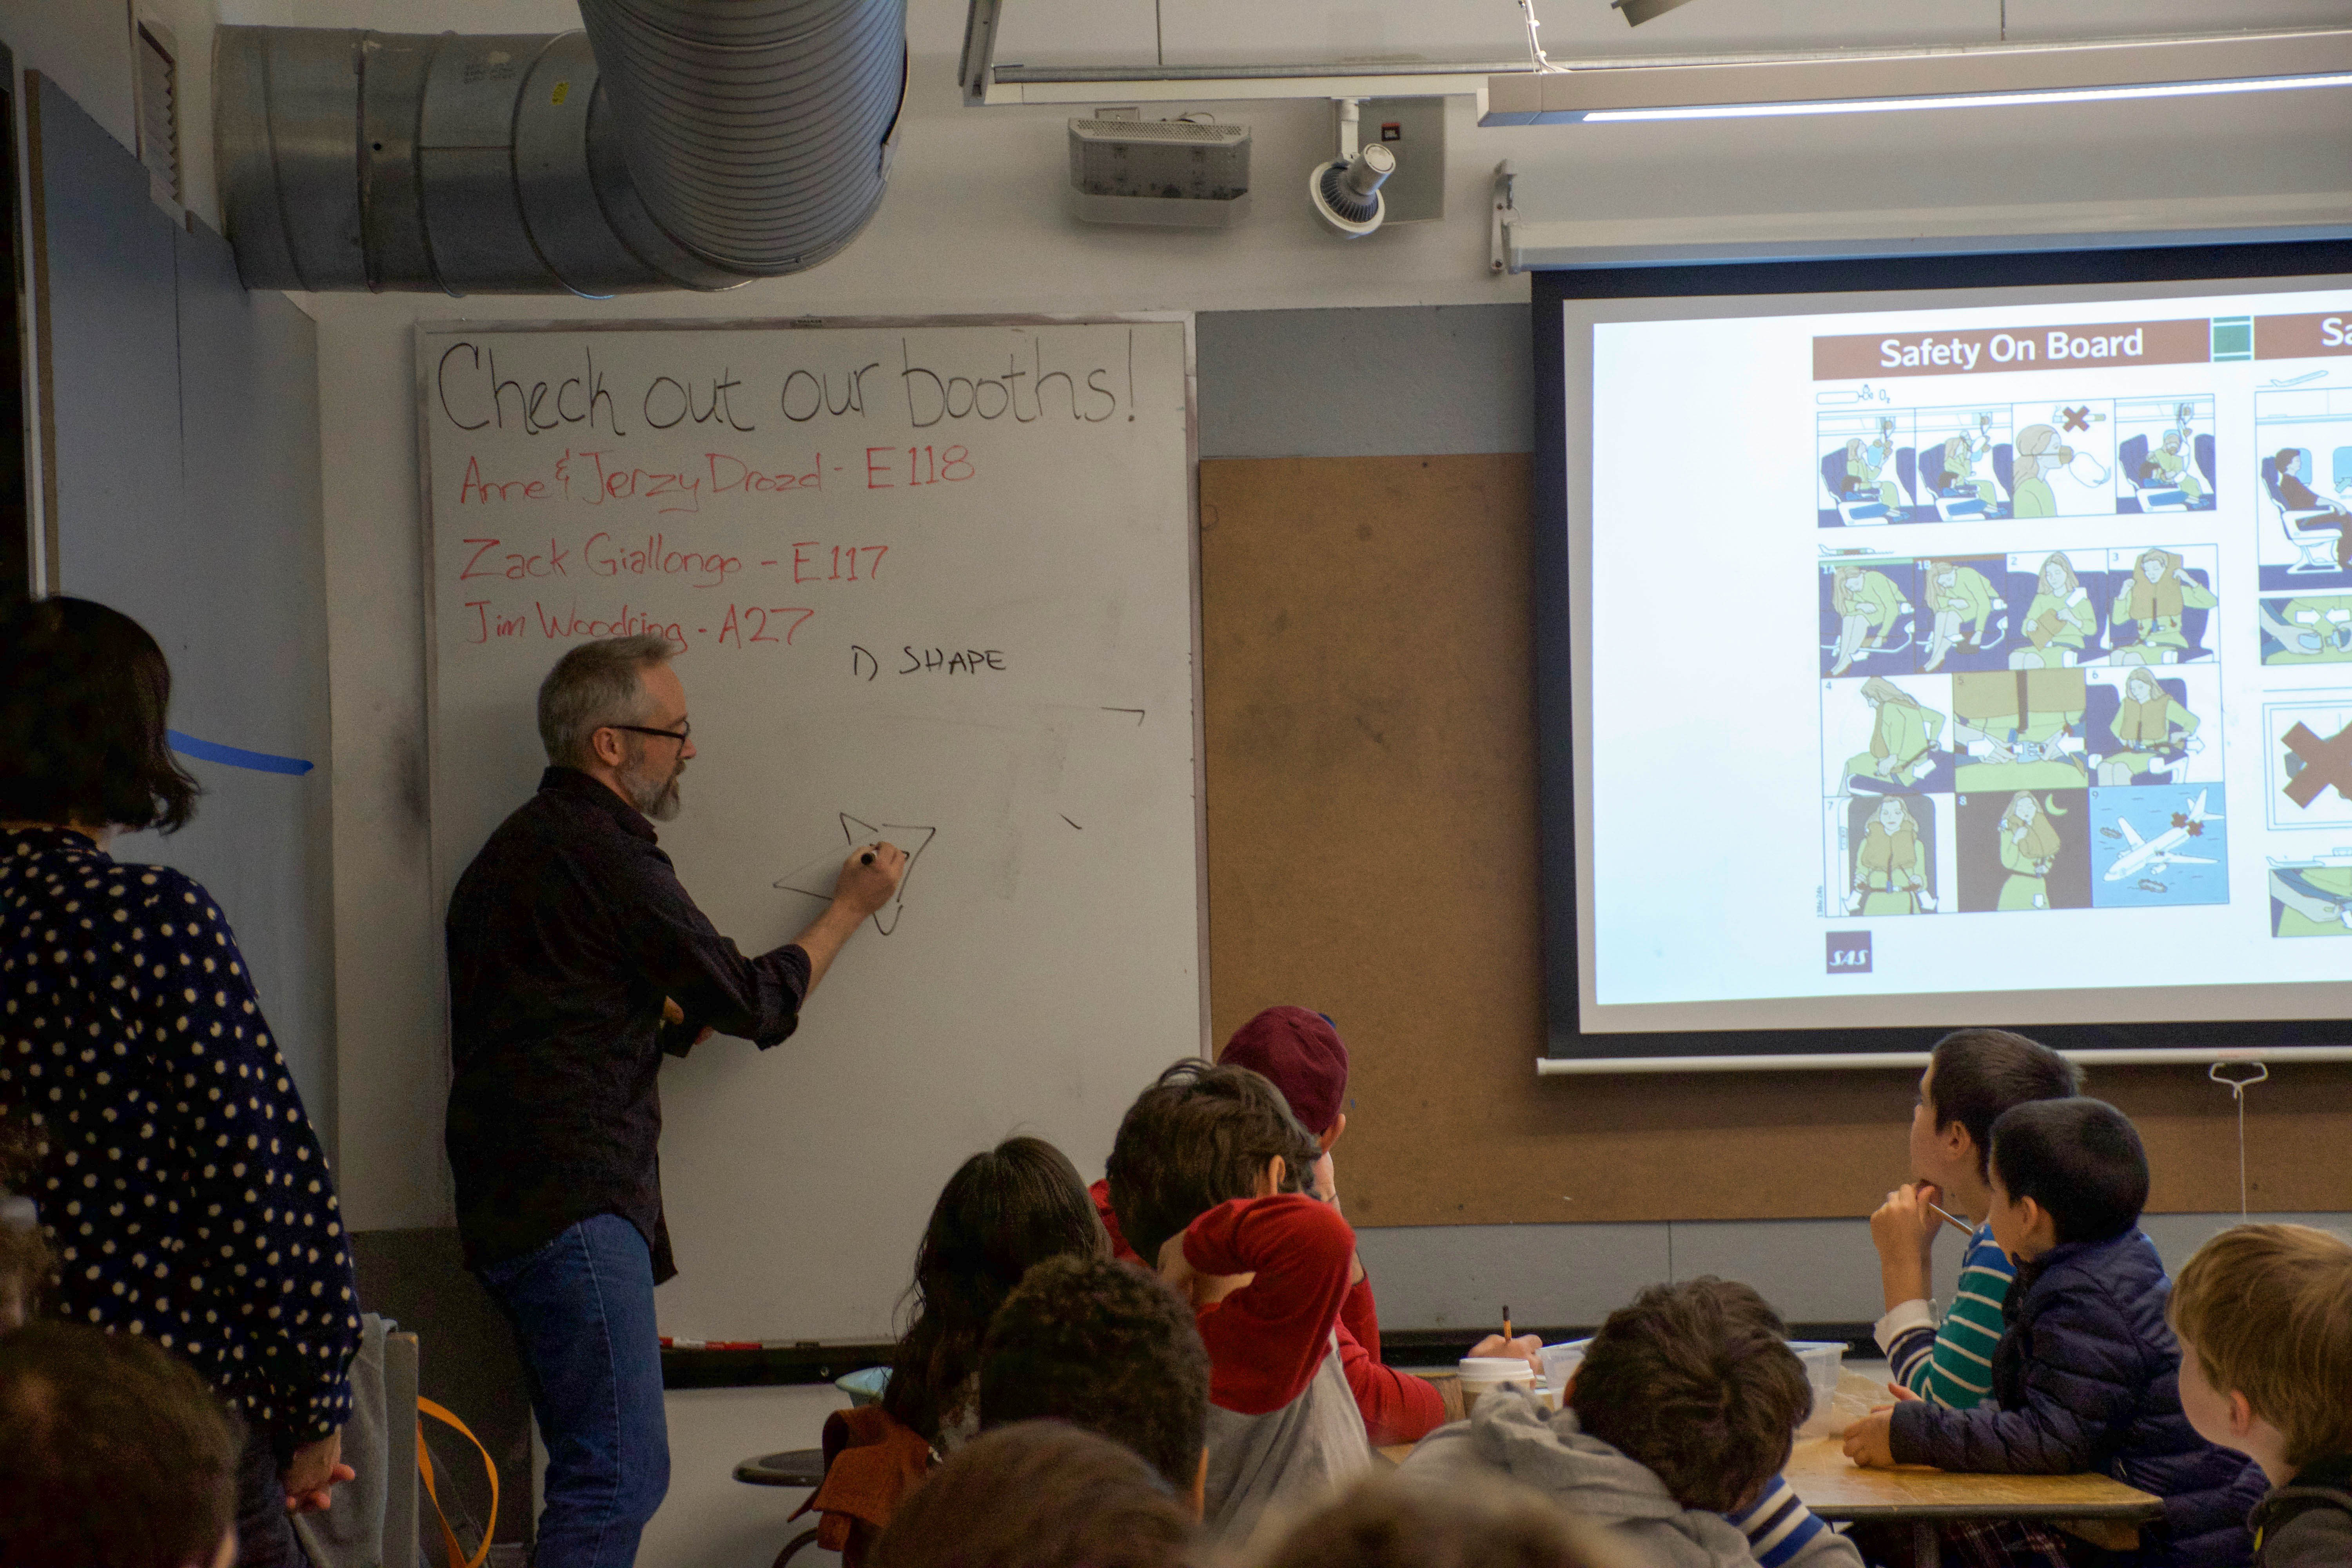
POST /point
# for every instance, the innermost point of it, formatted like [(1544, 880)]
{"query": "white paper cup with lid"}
[(1484, 1374)]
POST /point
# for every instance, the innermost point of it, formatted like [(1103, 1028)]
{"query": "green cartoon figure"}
[(1903, 735), (1959, 596), (2169, 462), (2152, 732), (1863, 464), (2152, 600), (1890, 870), (2029, 843), (1956, 460), (1867, 603), (2060, 619), (2037, 452)]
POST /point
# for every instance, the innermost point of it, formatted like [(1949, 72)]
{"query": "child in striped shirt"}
[(1973, 1075)]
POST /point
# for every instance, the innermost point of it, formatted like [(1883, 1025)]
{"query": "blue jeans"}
[(582, 1311)]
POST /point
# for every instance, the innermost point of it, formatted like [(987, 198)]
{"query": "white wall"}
[(973, 223)]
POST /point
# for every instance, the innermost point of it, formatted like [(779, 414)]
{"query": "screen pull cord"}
[(2238, 1087)]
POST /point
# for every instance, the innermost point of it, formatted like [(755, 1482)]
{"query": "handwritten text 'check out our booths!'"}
[(535, 398)]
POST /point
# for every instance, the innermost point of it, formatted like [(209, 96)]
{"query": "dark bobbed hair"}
[(112, 1454), (1979, 1073), (1004, 1212), (1199, 1137), (1038, 1495), (1484, 1520), (1106, 1346), (82, 708), (1696, 1382), (2080, 1159)]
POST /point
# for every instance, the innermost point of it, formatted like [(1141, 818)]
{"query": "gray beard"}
[(657, 799)]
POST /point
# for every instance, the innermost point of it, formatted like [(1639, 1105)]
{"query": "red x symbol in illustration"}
[(2325, 762), (2076, 418)]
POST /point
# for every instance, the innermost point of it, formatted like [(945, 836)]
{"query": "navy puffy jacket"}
[(2086, 1377)]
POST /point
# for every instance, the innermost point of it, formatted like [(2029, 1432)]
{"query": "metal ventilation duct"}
[(721, 140)]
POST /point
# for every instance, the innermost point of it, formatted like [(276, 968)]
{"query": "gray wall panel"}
[(1403, 380), (187, 457), (2179, 1235), (1463, 1276), (1811, 1270), (112, 353)]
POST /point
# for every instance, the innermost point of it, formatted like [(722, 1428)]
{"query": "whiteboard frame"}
[(424, 536)]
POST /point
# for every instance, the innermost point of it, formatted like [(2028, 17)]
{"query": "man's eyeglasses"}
[(678, 734)]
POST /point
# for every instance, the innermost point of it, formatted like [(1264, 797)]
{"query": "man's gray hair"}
[(596, 684)]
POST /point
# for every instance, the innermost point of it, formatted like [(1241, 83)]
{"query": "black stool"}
[(802, 1468)]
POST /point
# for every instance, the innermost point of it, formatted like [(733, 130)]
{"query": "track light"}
[(1347, 191), (1640, 11)]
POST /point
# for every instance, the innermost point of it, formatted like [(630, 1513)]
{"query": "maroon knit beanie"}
[(1301, 1053)]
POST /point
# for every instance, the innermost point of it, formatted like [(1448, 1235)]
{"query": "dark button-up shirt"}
[(182, 1189), (565, 934)]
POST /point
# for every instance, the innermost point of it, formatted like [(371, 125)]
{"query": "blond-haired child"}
[(2263, 1313)]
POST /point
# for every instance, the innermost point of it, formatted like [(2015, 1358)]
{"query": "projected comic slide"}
[(2036, 609), (2020, 732), (2303, 525), (2308, 768), (2312, 898), (2016, 424), (2081, 582), (1889, 855), (2305, 628)]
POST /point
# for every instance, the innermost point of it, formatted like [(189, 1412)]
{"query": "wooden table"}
[(2098, 1508)]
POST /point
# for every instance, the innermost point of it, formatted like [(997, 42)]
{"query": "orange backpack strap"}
[(458, 1558)]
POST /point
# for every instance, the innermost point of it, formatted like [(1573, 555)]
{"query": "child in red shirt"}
[(1301, 1053), (1205, 1180)]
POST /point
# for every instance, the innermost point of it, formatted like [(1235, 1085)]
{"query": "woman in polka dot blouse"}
[(180, 1186)]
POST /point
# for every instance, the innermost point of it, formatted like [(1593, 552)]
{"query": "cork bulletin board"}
[(1369, 716)]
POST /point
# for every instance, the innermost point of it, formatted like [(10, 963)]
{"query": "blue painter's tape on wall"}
[(235, 756)]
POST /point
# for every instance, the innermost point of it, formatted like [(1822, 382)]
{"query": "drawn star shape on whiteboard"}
[(816, 877)]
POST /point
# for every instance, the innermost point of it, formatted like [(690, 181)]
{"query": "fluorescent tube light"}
[(1876, 80), (1965, 101)]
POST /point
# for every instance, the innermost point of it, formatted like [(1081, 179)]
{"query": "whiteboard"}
[(935, 581)]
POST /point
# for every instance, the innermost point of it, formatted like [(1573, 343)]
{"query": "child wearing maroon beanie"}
[(1302, 1055)]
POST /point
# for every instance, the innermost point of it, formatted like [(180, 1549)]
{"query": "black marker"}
[(867, 858)]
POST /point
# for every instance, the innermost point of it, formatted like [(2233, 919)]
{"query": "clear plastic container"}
[(1560, 1361), (1824, 1359)]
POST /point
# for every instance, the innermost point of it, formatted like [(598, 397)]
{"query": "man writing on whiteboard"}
[(575, 960)]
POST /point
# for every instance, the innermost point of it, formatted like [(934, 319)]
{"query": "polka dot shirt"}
[(180, 1185)]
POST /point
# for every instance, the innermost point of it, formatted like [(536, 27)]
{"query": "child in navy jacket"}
[(2085, 1377)]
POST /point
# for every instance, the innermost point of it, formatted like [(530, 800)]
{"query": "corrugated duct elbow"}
[(674, 144)]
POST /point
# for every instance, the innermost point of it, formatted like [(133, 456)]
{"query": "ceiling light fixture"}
[(1864, 81), (1965, 101)]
